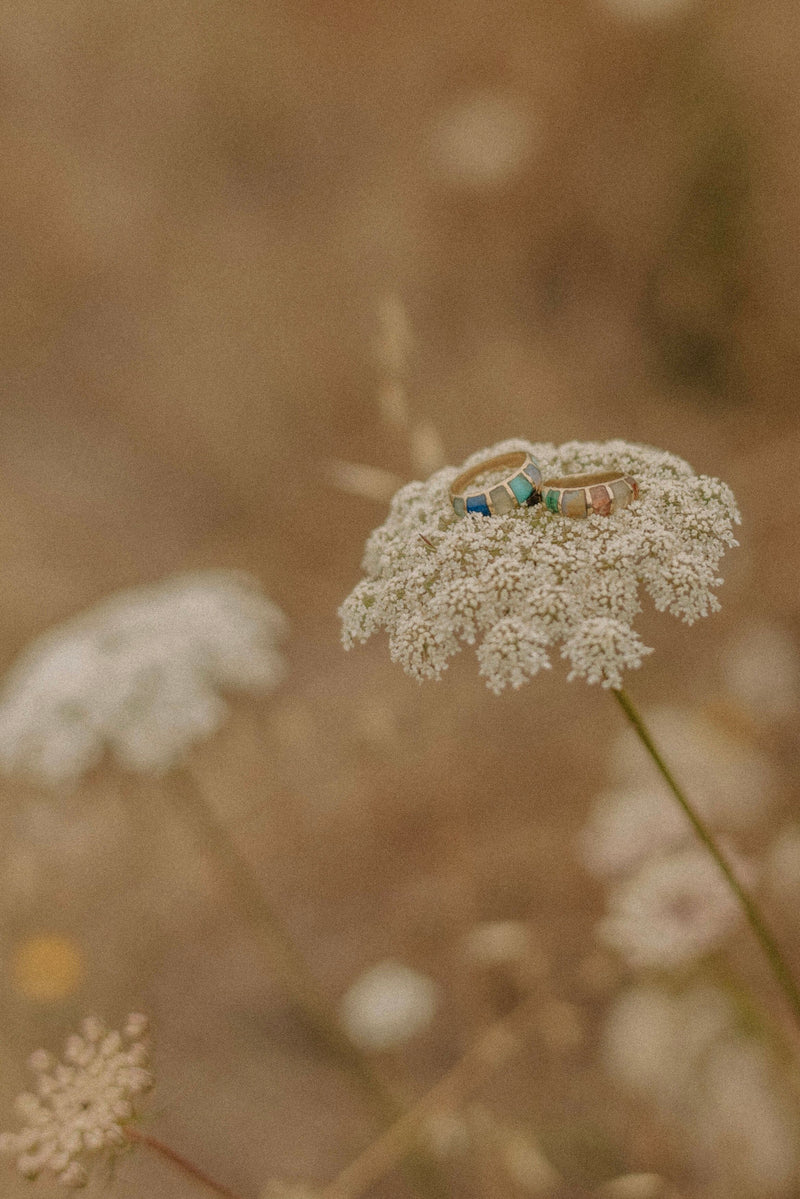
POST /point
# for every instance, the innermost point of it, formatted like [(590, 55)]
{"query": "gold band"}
[(521, 487), (584, 495)]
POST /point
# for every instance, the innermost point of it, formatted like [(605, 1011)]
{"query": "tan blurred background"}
[(590, 212)]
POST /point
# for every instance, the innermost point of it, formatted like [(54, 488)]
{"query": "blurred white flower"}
[(747, 1122), (627, 825), (637, 1186), (761, 668), (520, 584), (731, 780), (676, 908), (654, 1040), (388, 1005), (81, 1105), (140, 676), (684, 1054), (637, 1038), (481, 142)]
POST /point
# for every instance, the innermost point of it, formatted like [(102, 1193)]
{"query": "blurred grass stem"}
[(746, 901), (177, 1159), (494, 1049), (294, 972)]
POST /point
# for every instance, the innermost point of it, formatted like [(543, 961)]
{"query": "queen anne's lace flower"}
[(139, 675), (81, 1105), (676, 908), (520, 584)]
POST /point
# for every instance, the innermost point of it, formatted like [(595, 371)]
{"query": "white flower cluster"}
[(139, 675), (81, 1105), (518, 585)]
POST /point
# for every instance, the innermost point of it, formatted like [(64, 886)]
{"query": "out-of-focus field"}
[(591, 221)]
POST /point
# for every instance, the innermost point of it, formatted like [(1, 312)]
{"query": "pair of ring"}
[(573, 495)]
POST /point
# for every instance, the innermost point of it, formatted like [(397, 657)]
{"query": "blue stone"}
[(477, 503)]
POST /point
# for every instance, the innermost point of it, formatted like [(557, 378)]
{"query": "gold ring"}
[(583, 495), (523, 486)]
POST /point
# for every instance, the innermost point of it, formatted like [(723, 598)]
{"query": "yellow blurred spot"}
[(46, 968)]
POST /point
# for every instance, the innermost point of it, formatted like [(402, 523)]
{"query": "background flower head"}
[(675, 909), (80, 1106), (140, 675), (517, 586)]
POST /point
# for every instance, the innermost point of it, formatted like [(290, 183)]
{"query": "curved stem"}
[(490, 1053), (295, 974), (746, 901), (177, 1159)]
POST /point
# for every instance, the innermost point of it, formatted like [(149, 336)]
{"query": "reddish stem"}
[(177, 1159)]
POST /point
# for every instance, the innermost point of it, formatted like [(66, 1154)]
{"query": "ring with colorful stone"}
[(523, 486), (584, 495)]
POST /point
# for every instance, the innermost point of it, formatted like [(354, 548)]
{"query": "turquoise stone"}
[(477, 503), (502, 502), (458, 505), (551, 501), (521, 487)]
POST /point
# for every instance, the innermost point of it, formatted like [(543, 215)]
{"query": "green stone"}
[(551, 500)]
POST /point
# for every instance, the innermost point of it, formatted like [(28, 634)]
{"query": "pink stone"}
[(601, 500)]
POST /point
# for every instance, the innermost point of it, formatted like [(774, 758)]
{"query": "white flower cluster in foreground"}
[(520, 584), (81, 1105), (140, 675)]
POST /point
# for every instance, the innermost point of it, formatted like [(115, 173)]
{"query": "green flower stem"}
[(746, 901), (294, 972), (177, 1159)]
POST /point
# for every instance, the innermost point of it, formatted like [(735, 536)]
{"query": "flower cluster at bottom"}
[(81, 1105)]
